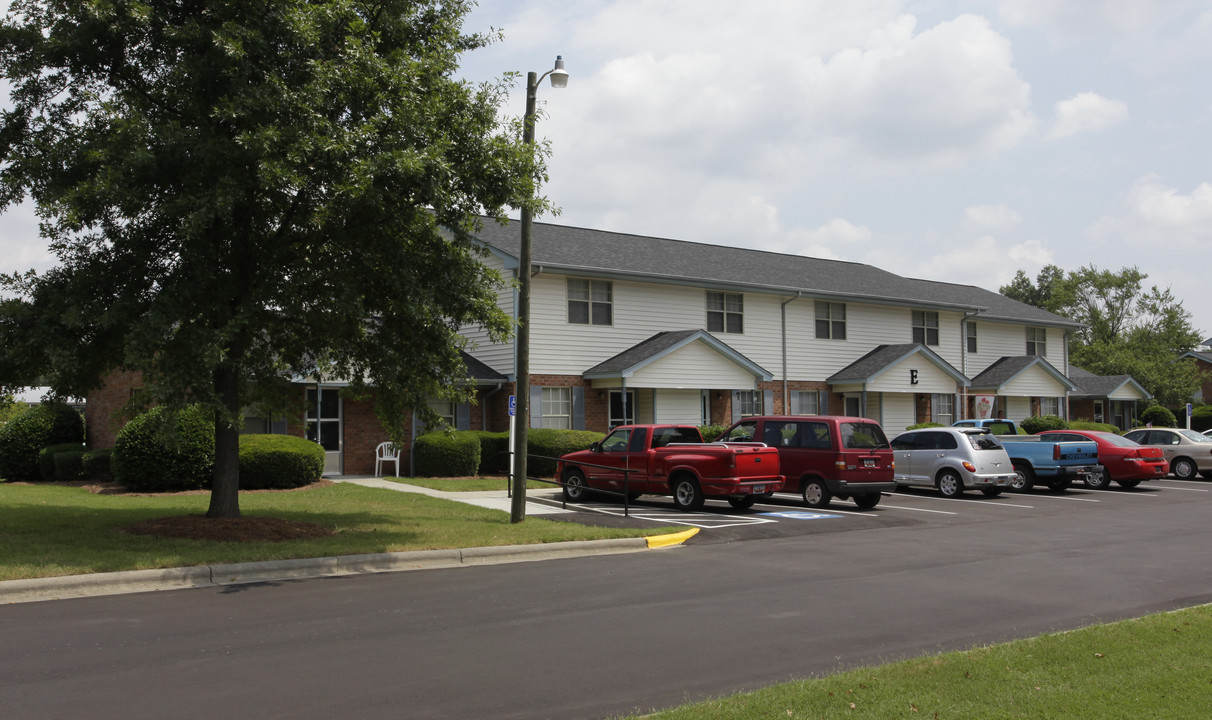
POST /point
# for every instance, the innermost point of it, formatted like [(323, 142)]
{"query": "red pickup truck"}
[(671, 460)]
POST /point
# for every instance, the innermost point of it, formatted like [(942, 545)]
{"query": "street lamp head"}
[(559, 76)]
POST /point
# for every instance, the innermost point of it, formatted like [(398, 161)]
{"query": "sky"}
[(953, 141)]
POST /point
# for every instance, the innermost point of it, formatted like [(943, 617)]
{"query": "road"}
[(740, 607)]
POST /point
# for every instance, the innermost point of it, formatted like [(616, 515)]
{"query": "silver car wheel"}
[(950, 484)]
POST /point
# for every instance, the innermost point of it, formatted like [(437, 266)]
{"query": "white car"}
[(952, 459)]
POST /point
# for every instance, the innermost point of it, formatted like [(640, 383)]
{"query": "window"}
[(445, 410), (971, 333), (617, 441), (725, 312), (557, 408), (943, 408), (620, 414), (830, 320), (805, 402), (590, 302), (1049, 406), (750, 402), (1037, 341), (925, 327)]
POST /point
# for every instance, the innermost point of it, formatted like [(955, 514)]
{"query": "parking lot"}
[(784, 515)]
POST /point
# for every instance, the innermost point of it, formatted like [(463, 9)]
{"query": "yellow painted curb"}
[(660, 541)]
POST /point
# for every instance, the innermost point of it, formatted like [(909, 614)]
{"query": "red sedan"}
[(1124, 461)]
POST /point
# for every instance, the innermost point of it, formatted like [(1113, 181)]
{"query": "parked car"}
[(671, 460), (1189, 452), (825, 456), (1041, 460), (1125, 461), (952, 459)]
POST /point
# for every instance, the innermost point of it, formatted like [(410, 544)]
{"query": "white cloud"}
[(1086, 112), (994, 217), (1076, 18)]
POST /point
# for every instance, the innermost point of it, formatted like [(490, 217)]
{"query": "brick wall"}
[(102, 408)]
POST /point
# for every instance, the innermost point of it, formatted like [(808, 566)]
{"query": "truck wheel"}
[(575, 487), (743, 502), (1101, 481), (687, 495), (1183, 468), (1128, 484), (816, 493), (1024, 479), (950, 484), (992, 492), (867, 500)]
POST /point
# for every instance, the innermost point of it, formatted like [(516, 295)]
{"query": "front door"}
[(324, 425)]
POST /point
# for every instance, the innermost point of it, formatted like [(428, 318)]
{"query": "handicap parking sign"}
[(513, 405)]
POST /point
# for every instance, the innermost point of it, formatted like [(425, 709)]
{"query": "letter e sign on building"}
[(913, 377)]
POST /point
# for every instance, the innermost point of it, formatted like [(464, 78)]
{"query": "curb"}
[(136, 581)]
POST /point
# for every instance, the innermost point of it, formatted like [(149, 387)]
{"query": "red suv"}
[(825, 456)]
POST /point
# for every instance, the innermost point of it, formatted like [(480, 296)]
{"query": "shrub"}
[(69, 465), (552, 444), (494, 452), (1089, 425), (1201, 418), (279, 462), (96, 464), (711, 433), (1158, 416), (1040, 423), (46, 458), (24, 436), (163, 450), (919, 426), (446, 454)]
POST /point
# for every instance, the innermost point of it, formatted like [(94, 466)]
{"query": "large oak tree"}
[(240, 192)]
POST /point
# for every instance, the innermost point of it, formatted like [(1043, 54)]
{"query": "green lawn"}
[(52, 530), (1158, 666)]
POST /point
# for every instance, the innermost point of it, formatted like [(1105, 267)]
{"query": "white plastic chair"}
[(386, 452)]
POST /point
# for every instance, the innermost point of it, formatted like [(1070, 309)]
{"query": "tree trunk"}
[(225, 490)]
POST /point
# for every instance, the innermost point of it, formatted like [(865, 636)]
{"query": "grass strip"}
[(475, 484), (1159, 666), (52, 530)]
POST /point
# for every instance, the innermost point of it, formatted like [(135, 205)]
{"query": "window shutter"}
[(536, 406), (822, 402), (736, 405), (795, 402), (768, 402), (463, 416), (578, 407)]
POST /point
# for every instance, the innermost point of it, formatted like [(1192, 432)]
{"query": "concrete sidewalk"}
[(539, 502)]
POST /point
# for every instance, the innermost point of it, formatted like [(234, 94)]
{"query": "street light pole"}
[(517, 508)]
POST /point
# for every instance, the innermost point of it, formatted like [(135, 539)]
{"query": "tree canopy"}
[(243, 192), (1127, 329)]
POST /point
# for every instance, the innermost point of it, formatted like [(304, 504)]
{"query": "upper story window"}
[(590, 302), (830, 320), (925, 327), (1037, 341), (971, 334), (725, 312)]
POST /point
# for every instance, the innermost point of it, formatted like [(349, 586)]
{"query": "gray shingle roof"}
[(1005, 369), (610, 254), (478, 370), (654, 347), (885, 356), (1100, 386)]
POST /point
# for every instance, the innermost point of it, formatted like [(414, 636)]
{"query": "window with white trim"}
[(590, 302), (750, 402), (445, 410), (1037, 341), (809, 402), (830, 320), (725, 312), (970, 332), (942, 408), (1049, 406), (925, 327), (556, 408)]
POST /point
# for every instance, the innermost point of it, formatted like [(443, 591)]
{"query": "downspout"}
[(786, 392), (1068, 410), (963, 412)]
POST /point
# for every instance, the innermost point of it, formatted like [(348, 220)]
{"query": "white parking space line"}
[(1193, 482), (899, 507), (969, 501), (1065, 497)]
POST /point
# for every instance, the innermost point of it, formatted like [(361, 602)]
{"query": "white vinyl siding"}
[(998, 340), (679, 407), (898, 413), (1127, 392), (498, 356), (1033, 382), (693, 366), (930, 378), (1018, 409)]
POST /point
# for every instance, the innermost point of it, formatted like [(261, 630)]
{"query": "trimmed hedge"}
[(1040, 423), (919, 426), (1201, 418), (446, 454), (46, 459), (1159, 417), (24, 436), (279, 462), (554, 443), (96, 464), (494, 452), (69, 465), (1093, 426), (711, 432), (162, 451)]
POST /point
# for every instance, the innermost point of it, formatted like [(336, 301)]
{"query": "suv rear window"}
[(862, 436), (984, 442)]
